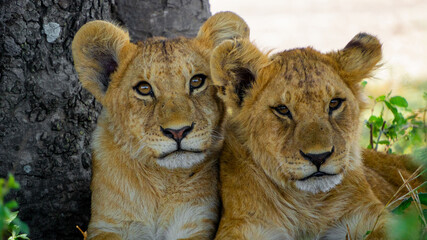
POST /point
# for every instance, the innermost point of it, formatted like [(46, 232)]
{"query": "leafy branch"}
[(405, 124), (11, 227)]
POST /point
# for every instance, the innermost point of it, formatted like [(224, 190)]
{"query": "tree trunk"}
[(168, 18), (46, 118)]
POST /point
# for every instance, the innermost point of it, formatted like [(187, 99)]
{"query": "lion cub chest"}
[(179, 223), (142, 211), (134, 201)]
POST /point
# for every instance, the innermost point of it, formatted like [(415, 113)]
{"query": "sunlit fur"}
[(262, 168), (142, 187), (319, 184), (383, 173)]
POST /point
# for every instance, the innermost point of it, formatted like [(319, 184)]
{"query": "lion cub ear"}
[(234, 67), (97, 52), (220, 27), (358, 58)]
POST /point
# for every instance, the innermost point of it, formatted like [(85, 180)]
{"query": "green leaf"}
[(406, 226), (372, 119), (407, 202), (4, 190), (398, 117), (423, 198), (4, 213), (15, 229), (386, 142), (399, 120), (11, 217), (380, 98), (11, 183), (11, 204), (379, 122), (363, 83), (22, 226), (399, 101), (391, 132), (22, 236), (402, 206), (1, 226), (391, 107), (366, 234)]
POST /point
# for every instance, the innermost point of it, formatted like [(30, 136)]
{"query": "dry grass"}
[(83, 233), (413, 192)]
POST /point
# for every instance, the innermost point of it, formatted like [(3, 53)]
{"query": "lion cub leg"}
[(246, 230), (359, 222), (102, 227), (107, 236), (195, 219), (202, 235), (379, 232)]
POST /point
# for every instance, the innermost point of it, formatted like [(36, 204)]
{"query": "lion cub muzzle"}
[(317, 158), (177, 134), (182, 150)]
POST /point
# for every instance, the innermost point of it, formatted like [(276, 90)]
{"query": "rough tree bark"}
[(166, 18), (46, 118)]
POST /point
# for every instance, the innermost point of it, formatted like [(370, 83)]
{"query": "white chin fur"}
[(181, 160), (319, 184)]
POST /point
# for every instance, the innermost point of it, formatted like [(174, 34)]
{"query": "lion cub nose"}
[(317, 159), (177, 134)]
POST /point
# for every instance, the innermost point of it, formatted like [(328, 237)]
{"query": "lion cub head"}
[(158, 98), (297, 111)]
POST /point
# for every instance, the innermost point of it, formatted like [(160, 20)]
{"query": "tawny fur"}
[(141, 188), (382, 173), (262, 169)]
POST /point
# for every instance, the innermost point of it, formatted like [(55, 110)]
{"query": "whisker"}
[(140, 148), (280, 166), (217, 135)]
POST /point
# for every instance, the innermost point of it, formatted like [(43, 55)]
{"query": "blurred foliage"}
[(409, 221), (11, 227), (403, 132), (407, 225), (396, 128)]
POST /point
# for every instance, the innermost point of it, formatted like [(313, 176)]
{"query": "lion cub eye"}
[(197, 81), (144, 88), (283, 110), (334, 104)]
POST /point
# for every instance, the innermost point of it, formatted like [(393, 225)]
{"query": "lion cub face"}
[(157, 95), (298, 111), (172, 112), (312, 118)]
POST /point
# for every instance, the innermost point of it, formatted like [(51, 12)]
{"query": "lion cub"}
[(156, 144), (291, 166)]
